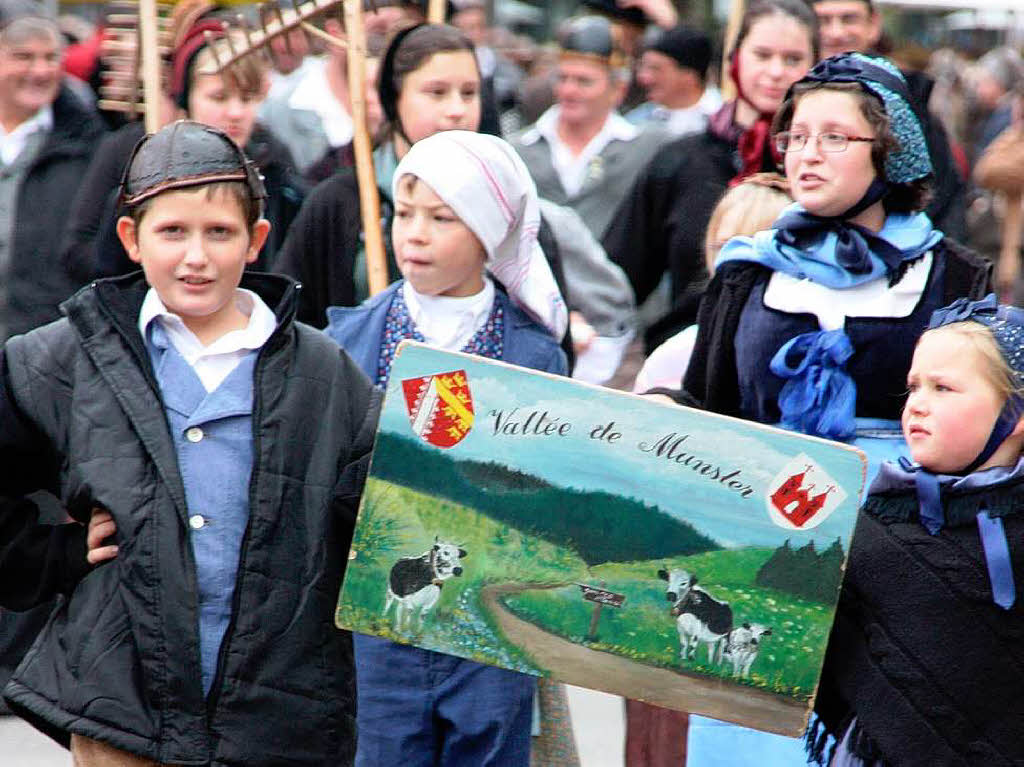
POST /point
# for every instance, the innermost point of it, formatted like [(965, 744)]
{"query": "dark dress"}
[(930, 667), (713, 376)]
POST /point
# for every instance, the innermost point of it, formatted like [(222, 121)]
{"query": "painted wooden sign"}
[(600, 538)]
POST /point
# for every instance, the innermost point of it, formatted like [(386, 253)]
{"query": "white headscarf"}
[(485, 183)]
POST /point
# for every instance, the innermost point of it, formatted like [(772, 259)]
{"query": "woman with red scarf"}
[(661, 225)]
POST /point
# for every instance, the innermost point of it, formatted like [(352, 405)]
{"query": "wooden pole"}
[(150, 58), (369, 200), (732, 30), (435, 11), (595, 616)]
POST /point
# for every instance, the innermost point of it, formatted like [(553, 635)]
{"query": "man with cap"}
[(630, 20), (46, 138), (673, 71), (581, 152), (856, 25)]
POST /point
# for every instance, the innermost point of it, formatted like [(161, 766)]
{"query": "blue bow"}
[(820, 397), (854, 243), (963, 309), (849, 68)]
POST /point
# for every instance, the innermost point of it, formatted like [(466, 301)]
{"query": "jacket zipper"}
[(218, 677)]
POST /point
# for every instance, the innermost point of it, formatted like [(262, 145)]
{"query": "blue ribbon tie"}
[(819, 397), (997, 559)]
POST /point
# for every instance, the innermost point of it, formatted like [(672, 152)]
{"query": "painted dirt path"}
[(660, 686)]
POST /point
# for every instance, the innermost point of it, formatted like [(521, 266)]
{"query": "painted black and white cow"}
[(414, 584), (699, 616), (742, 646)]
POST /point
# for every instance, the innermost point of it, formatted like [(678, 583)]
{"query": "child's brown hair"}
[(236, 190)]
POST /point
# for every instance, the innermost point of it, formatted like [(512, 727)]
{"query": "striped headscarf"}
[(485, 183)]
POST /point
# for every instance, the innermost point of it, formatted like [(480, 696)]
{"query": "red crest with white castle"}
[(440, 407), (802, 495)]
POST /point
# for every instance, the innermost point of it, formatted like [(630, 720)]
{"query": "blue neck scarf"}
[(831, 251), (930, 489), (819, 396)]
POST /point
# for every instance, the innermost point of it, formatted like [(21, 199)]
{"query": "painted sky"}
[(576, 460)]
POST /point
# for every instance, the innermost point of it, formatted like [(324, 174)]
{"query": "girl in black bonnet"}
[(925, 664)]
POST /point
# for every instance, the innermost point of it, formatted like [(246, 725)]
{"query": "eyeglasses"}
[(791, 141)]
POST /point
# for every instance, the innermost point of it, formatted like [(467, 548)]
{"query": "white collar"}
[(448, 322), (615, 128), (260, 327), (41, 120), (12, 143)]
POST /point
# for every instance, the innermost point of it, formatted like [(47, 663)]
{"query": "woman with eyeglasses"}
[(811, 325)]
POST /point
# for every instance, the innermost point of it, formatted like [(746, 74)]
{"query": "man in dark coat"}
[(49, 136)]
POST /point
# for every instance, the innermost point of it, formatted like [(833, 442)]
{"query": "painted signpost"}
[(673, 556)]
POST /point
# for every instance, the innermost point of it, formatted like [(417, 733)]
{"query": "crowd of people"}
[(798, 236)]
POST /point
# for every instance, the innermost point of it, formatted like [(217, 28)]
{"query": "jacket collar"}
[(513, 314), (119, 301)]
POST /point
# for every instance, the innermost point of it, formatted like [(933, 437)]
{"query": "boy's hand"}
[(101, 527)]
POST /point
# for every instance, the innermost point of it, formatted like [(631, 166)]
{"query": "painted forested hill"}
[(588, 522)]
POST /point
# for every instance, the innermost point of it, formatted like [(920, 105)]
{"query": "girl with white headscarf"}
[(474, 280), (458, 195)]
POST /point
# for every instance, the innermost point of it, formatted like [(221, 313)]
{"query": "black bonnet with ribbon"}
[(909, 162), (1006, 323)]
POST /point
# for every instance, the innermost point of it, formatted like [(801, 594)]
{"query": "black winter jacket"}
[(37, 281), (661, 225), (81, 415)]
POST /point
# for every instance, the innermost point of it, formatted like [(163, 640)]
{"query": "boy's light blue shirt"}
[(212, 433)]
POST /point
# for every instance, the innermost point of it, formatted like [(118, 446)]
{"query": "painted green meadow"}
[(396, 522), (643, 630)]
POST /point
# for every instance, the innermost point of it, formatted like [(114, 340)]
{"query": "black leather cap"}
[(589, 36), (182, 155), (690, 47)]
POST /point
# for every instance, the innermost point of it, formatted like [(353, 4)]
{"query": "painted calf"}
[(742, 646), (414, 584), (699, 616)]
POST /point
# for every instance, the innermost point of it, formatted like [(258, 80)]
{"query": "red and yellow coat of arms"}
[(440, 407)]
